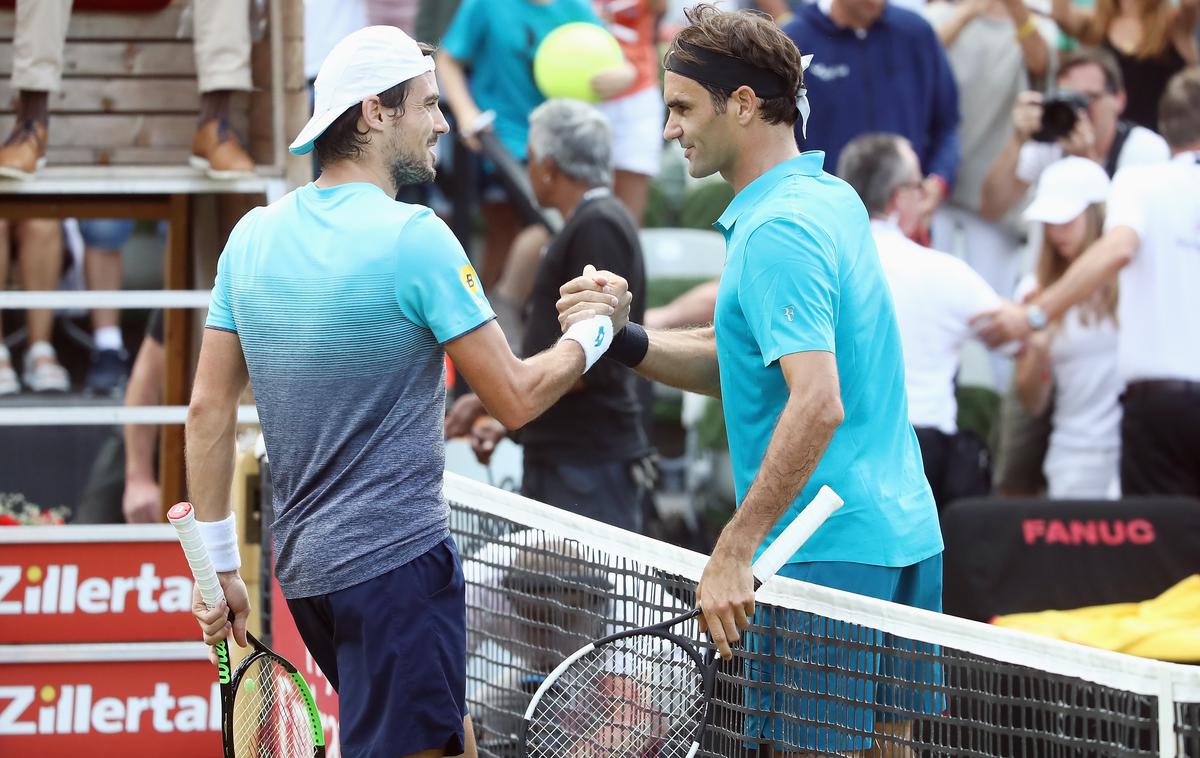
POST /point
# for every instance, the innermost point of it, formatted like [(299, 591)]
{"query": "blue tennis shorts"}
[(395, 649), (832, 680)]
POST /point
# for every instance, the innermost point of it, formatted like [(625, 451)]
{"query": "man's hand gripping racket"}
[(645, 691), (266, 706)]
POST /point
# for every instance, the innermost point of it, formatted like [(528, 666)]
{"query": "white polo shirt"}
[(1160, 289), (935, 295)]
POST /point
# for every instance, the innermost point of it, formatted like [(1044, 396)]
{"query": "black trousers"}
[(1160, 439), (606, 491), (956, 465)]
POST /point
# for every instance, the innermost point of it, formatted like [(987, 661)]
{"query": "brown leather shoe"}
[(24, 152), (218, 152)]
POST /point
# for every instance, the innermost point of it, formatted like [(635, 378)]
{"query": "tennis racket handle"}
[(183, 517), (796, 533)]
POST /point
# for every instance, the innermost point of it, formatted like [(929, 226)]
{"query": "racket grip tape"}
[(796, 534), (183, 517)]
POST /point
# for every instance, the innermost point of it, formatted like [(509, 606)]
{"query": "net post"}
[(1168, 739)]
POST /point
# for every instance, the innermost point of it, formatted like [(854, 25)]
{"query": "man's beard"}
[(406, 170)]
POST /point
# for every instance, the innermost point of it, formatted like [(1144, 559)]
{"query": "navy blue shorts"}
[(833, 680), (395, 649)]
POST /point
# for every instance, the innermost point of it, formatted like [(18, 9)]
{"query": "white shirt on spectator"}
[(1159, 308), (935, 295), (1087, 387), (1142, 147), (326, 22)]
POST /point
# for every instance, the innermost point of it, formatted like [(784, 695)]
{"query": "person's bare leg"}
[(516, 282), (469, 739), (501, 227), (39, 245), (102, 269), (5, 254), (901, 731), (633, 190)]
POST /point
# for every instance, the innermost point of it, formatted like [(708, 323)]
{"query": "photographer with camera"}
[(1083, 119)]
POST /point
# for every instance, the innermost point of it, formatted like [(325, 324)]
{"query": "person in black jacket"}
[(588, 453)]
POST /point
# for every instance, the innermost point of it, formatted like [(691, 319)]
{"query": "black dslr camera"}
[(1059, 114)]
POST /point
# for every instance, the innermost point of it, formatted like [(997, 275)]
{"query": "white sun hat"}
[(1065, 190), (364, 63)]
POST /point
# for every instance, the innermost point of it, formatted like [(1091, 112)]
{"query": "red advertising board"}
[(77, 584), (63, 706), (285, 640)]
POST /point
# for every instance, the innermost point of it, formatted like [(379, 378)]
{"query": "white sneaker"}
[(8, 378), (47, 376)]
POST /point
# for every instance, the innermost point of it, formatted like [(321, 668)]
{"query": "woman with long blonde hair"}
[(1152, 40), (1073, 360)]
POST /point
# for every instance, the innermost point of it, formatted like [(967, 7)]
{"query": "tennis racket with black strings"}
[(645, 691), (267, 710)]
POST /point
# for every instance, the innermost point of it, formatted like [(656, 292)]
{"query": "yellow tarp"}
[(1166, 627)]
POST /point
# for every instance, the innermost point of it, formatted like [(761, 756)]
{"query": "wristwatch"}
[(1035, 317)]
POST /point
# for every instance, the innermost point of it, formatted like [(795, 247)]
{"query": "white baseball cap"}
[(1065, 190), (364, 63)]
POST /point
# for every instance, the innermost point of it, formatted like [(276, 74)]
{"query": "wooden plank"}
[(148, 207), (166, 24), (110, 131), (119, 58), (97, 95), (177, 344), (100, 156)]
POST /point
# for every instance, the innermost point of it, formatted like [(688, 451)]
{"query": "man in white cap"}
[(339, 304)]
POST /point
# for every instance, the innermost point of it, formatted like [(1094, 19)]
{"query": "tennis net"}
[(820, 672)]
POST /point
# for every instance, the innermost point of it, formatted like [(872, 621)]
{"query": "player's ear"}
[(372, 112)]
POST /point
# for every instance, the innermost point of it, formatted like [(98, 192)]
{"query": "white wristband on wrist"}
[(220, 539), (594, 335)]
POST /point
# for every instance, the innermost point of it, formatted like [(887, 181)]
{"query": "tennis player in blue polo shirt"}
[(804, 352), (339, 305)]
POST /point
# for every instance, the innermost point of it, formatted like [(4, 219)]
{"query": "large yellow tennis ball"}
[(570, 56)]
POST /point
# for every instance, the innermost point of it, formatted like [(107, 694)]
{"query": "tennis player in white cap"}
[(339, 304)]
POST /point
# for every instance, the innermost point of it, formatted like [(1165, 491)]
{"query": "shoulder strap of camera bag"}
[(1114, 153)]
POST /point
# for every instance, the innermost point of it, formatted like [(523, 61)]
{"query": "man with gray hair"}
[(600, 473), (935, 295)]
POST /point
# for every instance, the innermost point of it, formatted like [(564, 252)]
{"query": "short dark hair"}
[(874, 166), (752, 37), (1095, 56), (342, 140), (1179, 109)]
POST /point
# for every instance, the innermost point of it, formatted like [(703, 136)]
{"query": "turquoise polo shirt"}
[(802, 274)]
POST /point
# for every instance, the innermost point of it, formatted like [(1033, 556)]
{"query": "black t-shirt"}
[(601, 422)]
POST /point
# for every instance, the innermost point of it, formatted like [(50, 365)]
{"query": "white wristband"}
[(220, 539), (594, 335)]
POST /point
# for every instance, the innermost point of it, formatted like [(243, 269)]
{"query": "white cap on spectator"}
[(364, 63), (1065, 190)]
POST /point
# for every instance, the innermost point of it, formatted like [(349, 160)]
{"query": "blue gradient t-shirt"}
[(802, 274), (342, 299)]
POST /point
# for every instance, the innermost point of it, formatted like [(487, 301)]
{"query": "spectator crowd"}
[(1032, 174)]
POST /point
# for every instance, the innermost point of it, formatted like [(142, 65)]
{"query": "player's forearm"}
[(209, 451), (684, 358), (1002, 189), (536, 384), (1098, 265), (801, 436)]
